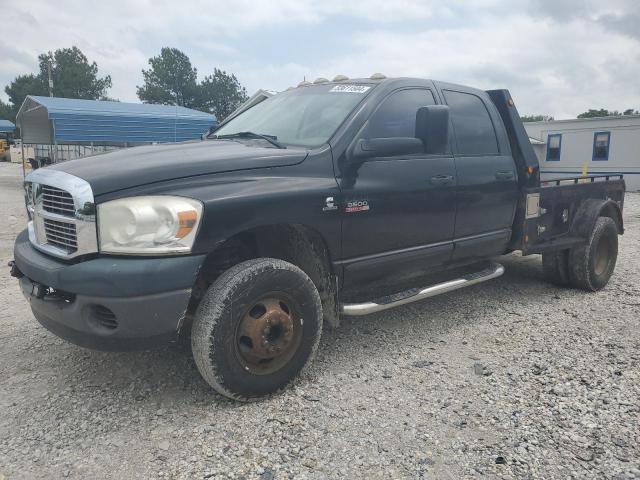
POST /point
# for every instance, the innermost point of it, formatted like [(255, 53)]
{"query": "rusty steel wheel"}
[(269, 334), (256, 328), (602, 256), (591, 265)]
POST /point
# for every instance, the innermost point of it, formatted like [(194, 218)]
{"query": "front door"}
[(399, 212)]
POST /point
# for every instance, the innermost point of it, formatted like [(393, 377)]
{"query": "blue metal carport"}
[(6, 126), (54, 121)]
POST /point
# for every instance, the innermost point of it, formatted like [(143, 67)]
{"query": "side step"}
[(493, 271)]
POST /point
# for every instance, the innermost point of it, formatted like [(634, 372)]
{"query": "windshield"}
[(305, 116)]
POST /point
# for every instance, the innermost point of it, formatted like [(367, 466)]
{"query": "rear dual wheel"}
[(257, 327), (588, 266), (555, 266), (591, 265)]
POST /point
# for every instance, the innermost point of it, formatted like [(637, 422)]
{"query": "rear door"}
[(487, 189)]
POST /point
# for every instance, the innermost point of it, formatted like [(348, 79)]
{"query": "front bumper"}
[(107, 303)]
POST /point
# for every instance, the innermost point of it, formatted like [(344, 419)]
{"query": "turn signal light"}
[(188, 220)]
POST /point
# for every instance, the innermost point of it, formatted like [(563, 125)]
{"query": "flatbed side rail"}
[(582, 179)]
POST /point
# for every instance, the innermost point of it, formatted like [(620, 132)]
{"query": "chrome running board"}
[(415, 294)]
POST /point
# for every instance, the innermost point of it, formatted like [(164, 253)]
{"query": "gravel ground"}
[(510, 379)]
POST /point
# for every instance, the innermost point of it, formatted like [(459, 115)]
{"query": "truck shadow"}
[(500, 302)]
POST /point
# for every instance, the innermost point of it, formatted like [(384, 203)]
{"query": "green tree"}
[(603, 112), (171, 80), (72, 74), (6, 112), (22, 86), (221, 93), (591, 113), (536, 118)]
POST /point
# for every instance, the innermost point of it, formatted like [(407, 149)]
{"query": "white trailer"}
[(587, 146)]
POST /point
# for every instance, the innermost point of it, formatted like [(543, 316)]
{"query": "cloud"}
[(558, 57), (625, 24), (549, 70)]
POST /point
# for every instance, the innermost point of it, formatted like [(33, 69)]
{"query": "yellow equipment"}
[(4, 150)]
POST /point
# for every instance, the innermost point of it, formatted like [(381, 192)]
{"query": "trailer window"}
[(554, 145), (601, 145)]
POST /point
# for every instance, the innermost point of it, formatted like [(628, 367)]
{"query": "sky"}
[(557, 57)]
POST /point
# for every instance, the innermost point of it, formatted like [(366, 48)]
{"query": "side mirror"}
[(432, 127), (386, 147)]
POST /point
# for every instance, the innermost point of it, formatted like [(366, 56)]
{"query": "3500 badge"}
[(357, 206)]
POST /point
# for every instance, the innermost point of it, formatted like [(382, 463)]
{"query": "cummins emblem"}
[(357, 206), (329, 205)]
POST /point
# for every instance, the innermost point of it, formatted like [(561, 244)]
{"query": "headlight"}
[(148, 225)]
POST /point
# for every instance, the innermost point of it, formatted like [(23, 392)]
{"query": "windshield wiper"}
[(272, 139)]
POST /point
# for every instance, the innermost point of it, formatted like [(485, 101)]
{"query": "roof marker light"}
[(304, 83), (378, 76), (340, 78), (321, 80)]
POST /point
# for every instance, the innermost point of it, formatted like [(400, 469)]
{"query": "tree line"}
[(591, 113), (170, 80)]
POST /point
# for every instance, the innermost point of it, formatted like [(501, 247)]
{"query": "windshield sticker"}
[(350, 88)]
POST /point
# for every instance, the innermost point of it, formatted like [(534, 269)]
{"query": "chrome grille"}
[(61, 234), (62, 214), (56, 200)]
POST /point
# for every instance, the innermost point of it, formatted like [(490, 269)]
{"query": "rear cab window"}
[(474, 131)]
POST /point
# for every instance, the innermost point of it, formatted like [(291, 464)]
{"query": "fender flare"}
[(588, 213)]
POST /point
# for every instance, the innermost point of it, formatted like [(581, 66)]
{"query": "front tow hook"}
[(14, 270)]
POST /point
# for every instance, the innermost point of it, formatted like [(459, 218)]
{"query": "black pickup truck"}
[(333, 198)]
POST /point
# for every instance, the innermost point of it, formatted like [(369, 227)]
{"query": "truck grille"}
[(61, 235), (56, 200), (58, 226)]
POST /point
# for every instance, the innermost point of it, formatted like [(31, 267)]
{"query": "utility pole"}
[(50, 79)]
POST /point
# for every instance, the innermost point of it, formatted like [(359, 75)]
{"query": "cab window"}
[(396, 115), (474, 130)]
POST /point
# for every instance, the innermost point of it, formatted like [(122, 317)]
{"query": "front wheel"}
[(257, 327)]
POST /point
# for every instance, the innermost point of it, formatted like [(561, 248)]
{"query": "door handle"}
[(504, 175), (441, 179)]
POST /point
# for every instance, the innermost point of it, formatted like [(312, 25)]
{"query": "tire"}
[(256, 328), (555, 267), (591, 265)]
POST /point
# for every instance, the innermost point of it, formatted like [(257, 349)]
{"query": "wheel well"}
[(612, 211), (296, 244), (588, 213)]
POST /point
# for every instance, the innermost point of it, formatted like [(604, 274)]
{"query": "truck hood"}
[(132, 167)]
